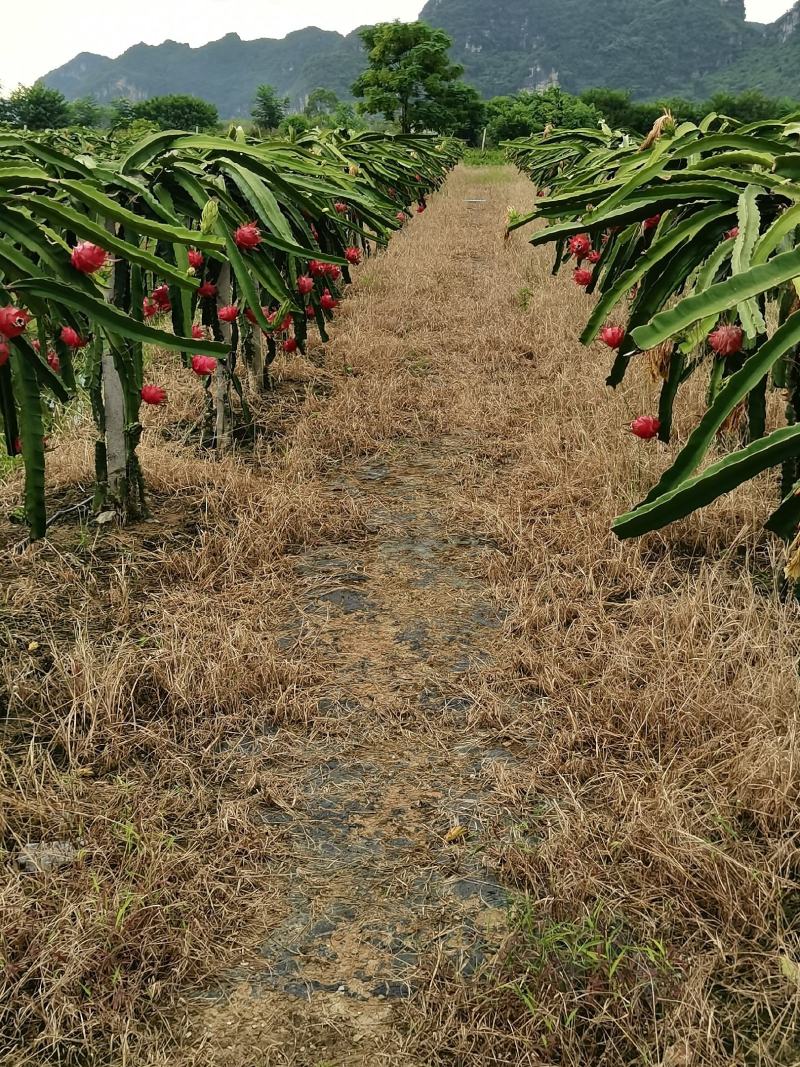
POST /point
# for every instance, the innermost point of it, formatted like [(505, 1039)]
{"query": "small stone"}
[(39, 857)]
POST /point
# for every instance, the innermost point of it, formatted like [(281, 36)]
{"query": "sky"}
[(54, 31)]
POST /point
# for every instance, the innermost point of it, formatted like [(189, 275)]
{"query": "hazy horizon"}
[(63, 31)]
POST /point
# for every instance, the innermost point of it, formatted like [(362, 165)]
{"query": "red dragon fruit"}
[(580, 246), (13, 321), (203, 365), (248, 236), (727, 340), (88, 258), (582, 277), (613, 336), (154, 394), (71, 338), (646, 427)]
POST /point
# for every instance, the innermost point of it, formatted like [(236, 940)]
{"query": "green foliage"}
[(87, 112), (696, 228), (347, 115), (321, 104), (484, 157), (178, 112), (294, 125), (621, 112), (325, 110), (37, 108), (459, 112), (269, 110), (123, 112), (509, 117), (410, 78)]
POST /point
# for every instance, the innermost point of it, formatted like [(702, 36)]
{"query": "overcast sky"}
[(50, 32)]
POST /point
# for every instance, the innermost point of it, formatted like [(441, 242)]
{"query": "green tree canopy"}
[(325, 109), (409, 75), (294, 126), (459, 111), (751, 106), (321, 104), (623, 113), (37, 108), (86, 112), (524, 113), (269, 109), (346, 115), (123, 112), (179, 112)]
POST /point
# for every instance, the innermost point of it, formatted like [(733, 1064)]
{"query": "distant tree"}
[(132, 132), (269, 109), (409, 74), (524, 113), (615, 105), (621, 112), (460, 112), (751, 106), (123, 112), (38, 108), (346, 115), (294, 126), (321, 104), (179, 112), (86, 112)]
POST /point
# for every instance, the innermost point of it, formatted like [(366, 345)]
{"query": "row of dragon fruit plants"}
[(689, 240), (222, 250)]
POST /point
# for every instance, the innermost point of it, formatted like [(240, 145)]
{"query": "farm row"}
[(690, 241), (224, 251)]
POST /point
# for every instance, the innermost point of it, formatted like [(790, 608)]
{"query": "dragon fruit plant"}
[(697, 229), (204, 257)]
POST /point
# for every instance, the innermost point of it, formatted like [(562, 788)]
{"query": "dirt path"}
[(389, 878), (388, 871)]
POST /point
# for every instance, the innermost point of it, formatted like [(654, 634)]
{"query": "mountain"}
[(225, 72), (772, 66), (652, 47)]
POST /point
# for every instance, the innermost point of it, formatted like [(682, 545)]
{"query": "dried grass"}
[(648, 690)]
